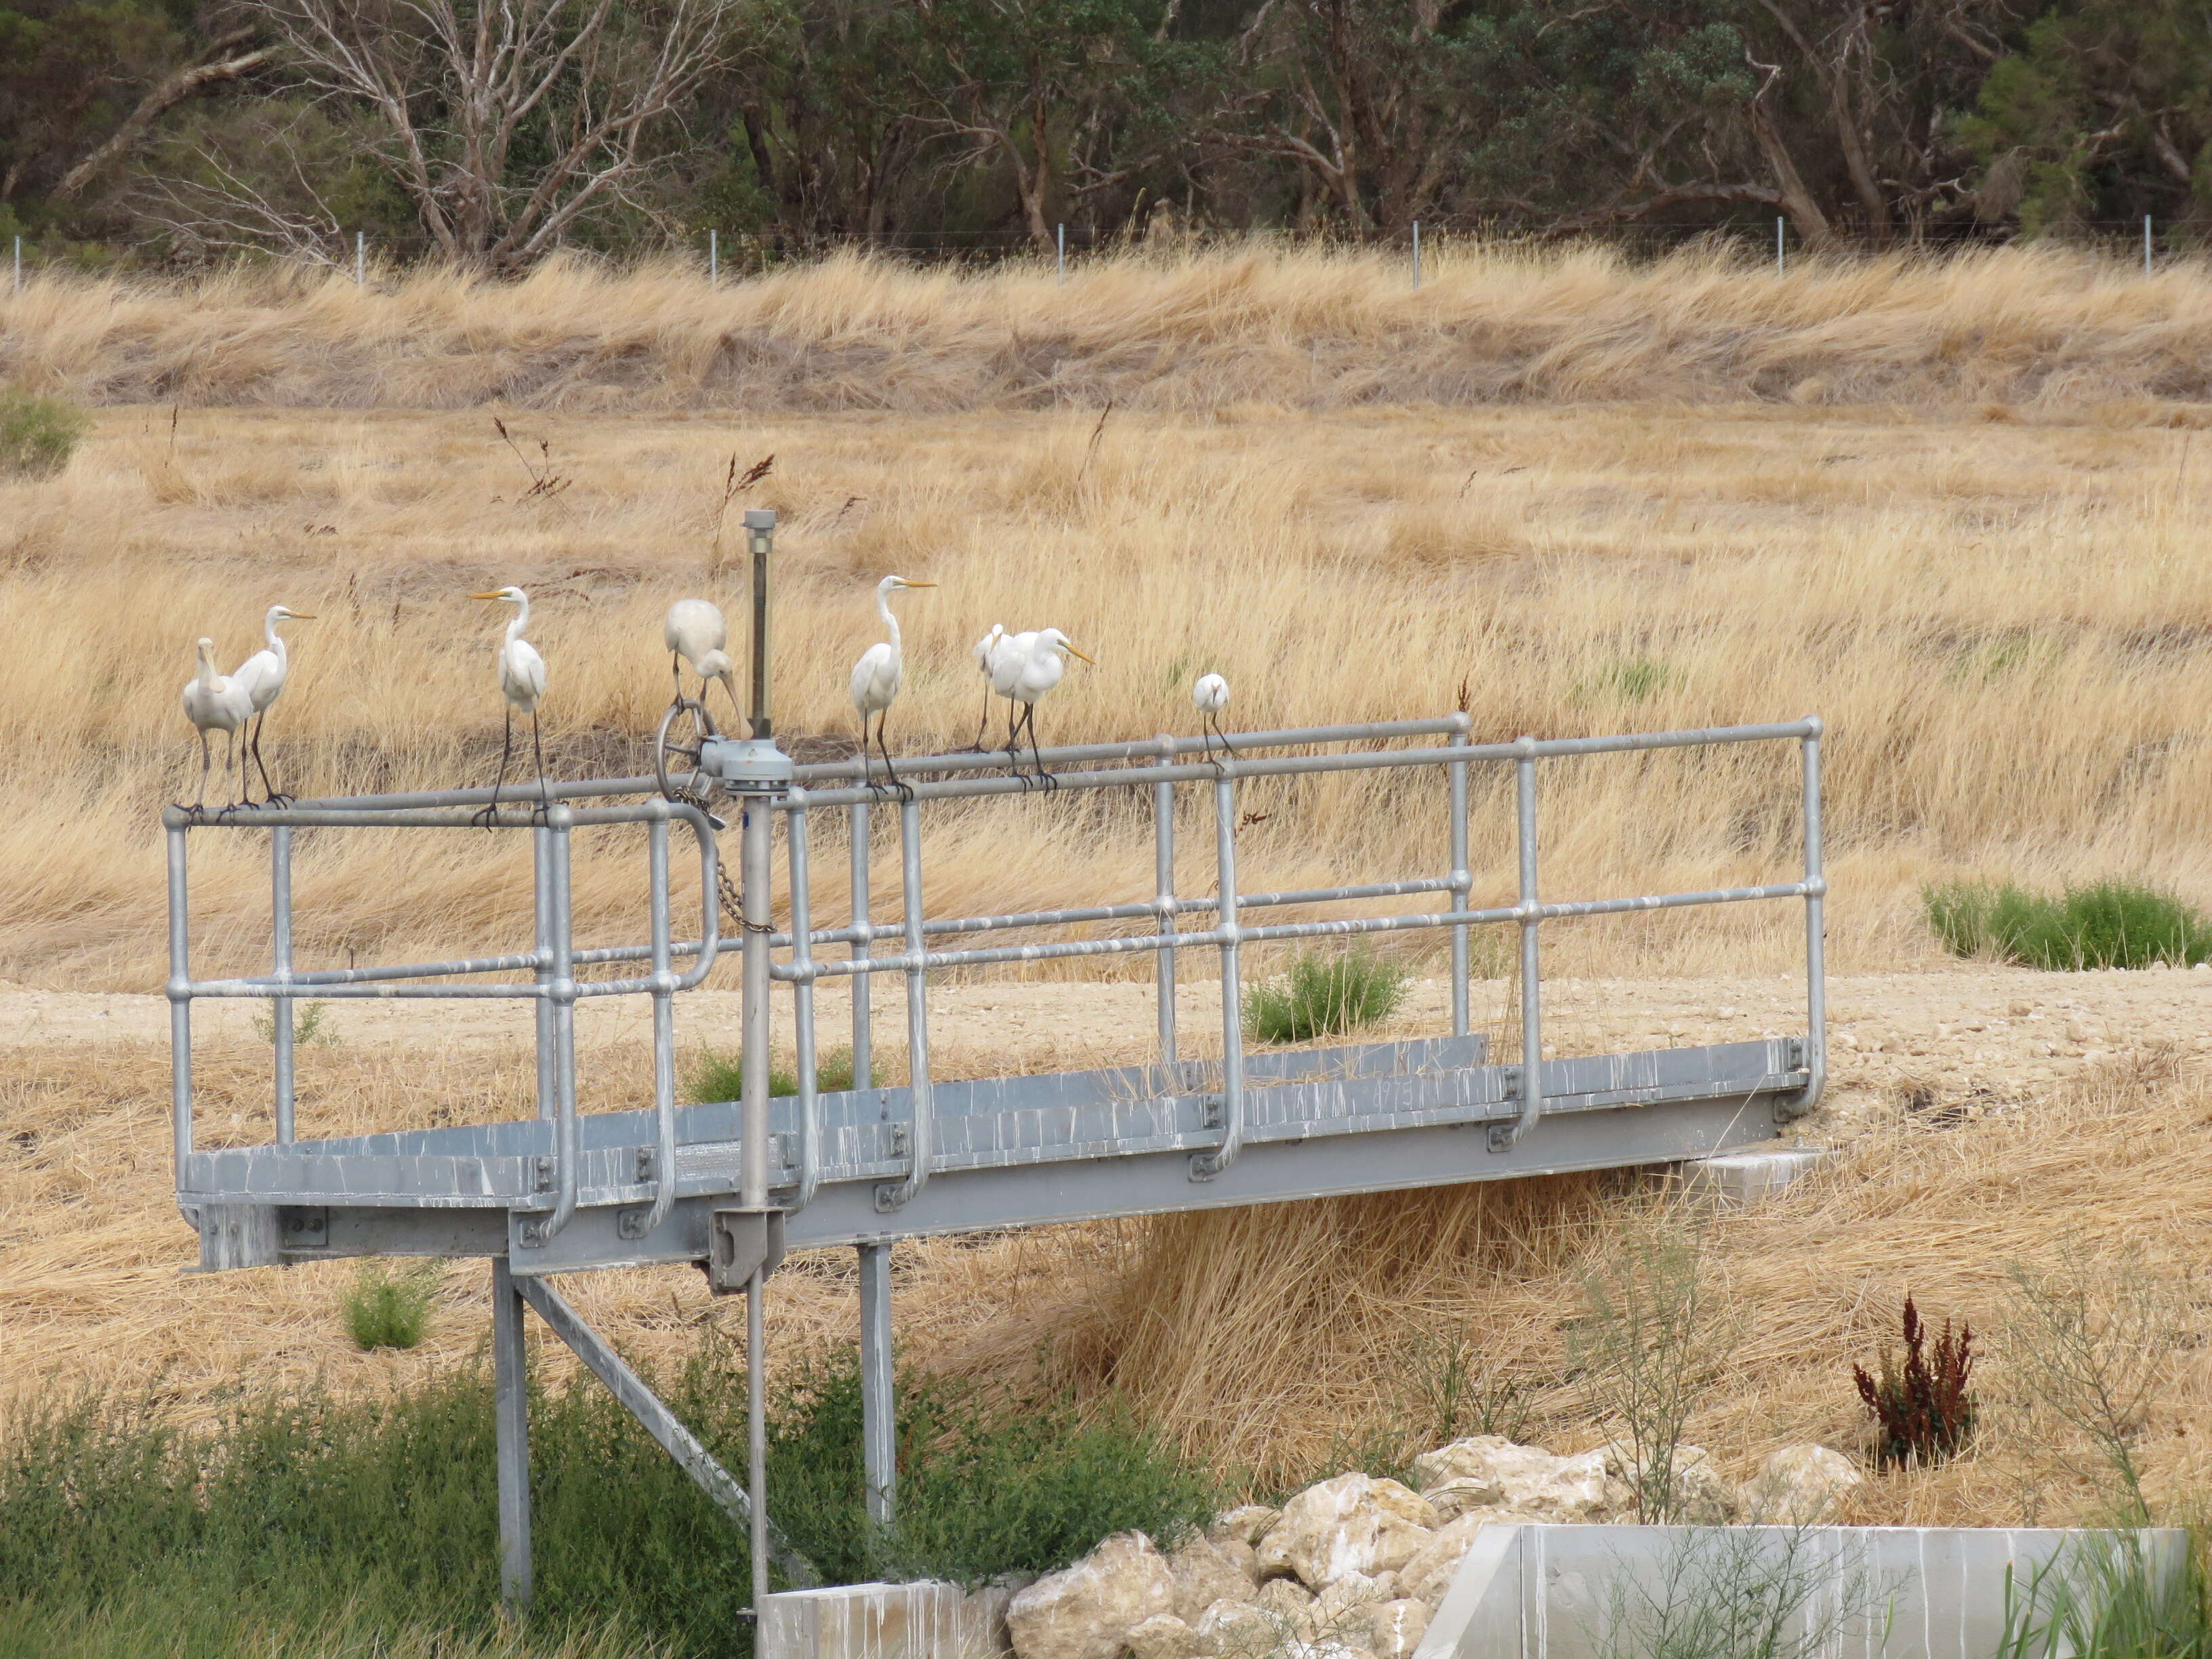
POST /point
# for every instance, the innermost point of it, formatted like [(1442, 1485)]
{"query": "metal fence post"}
[(180, 1004), (1780, 267), (864, 1060), (541, 847), (1060, 241), (562, 989), (1163, 882), (280, 1008), (2146, 245), (713, 259), (921, 1133), (664, 1037), (511, 1432), (802, 997), (878, 1385), (18, 287), (756, 852), (1531, 1080), (359, 258), (1816, 969), (1462, 882), (1417, 255), (1204, 1166)]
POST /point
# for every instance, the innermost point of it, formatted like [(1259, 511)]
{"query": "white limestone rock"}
[(1163, 1635), (1395, 1628), (1352, 1523), (1487, 1471), (1703, 1496), (1086, 1611), (1205, 1572), (1799, 1487), (1429, 1574), (1247, 1523)]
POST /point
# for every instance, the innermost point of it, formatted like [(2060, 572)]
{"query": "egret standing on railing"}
[(876, 678), (215, 702), (522, 681), (987, 655), (696, 632), (1210, 696), (1006, 664), (263, 675), (1041, 670)]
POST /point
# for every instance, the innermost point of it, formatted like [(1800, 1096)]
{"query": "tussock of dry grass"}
[(1305, 329), (1273, 1339)]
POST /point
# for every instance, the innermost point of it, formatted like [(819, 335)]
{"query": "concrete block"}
[(924, 1620), (1597, 1592), (1735, 1180)]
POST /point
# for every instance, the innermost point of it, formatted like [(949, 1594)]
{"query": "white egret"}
[(1040, 672), (1006, 664), (696, 632), (876, 676), (522, 681), (215, 702), (263, 675), (1210, 696), (987, 649)]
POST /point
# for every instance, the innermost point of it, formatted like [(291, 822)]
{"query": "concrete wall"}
[(1601, 1592), (886, 1621)]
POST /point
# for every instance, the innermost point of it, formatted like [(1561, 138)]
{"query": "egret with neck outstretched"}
[(876, 678), (1040, 672), (263, 674), (522, 683), (215, 702), (1210, 696), (696, 632)]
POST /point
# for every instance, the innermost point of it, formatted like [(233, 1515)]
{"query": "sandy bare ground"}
[(91, 1250)]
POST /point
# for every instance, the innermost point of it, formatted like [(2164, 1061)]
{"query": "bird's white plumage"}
[(213, 701), (1042, 668), (694, 628), (987, 647), (263, 673), (1007, 662), (877, 676), (1211, 695), (521, 669)]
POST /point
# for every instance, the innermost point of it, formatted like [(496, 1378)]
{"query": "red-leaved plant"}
[(1922, 1405)]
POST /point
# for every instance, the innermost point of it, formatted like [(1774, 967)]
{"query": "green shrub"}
[(717, 1076), (2106, 924), (2102, 1597), (385, 1310), (1323, 994), (37, 435)]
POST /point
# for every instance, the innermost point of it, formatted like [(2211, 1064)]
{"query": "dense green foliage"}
[(314, 1524), (37, 435), (190, 128), (387, 1309), (717, 1075), (2106, 924), (1322, 994)]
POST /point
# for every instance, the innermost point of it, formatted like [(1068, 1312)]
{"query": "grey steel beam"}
[(511, 1425), (878, 1386)]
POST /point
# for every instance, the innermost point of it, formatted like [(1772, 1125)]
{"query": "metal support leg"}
[(1463, 883), (561, 989), (1531, 1080), (802, 1000), (756, 852), (1163, 884), (180, 1011), (511, 1418), (864, 1059), (756, 1430), (879, 1396), (1816, 970), (541, 850), (280, 1008), (921, 1133), (635, 1224), (1205, 1165)]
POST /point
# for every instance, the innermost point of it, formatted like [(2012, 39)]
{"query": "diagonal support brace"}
[(640, 1400)]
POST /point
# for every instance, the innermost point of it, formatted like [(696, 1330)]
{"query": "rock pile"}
[(1355, 1566)]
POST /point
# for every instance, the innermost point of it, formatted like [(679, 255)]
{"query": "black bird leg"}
[(489, 816)]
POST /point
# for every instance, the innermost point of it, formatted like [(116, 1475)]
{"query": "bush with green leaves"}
[(716, 1075), (1323, 994), (2105, 924), (37, 435), (388, 1309)]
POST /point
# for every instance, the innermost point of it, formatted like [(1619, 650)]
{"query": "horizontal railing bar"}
[(835, 968), (439, 814), (1152, 748), (530, 961)]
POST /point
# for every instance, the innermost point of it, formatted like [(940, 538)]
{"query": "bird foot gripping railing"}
[(865, 1166)]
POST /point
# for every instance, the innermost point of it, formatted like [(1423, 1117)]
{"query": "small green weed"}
[(310, 1026), (1624, 679), (2105, 924), (1323, 994), (718, 1076), (2104, 1598), (385, 1310), (37, 435)]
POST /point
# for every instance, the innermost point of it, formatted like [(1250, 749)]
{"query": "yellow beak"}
[(1072, 651), (921, 584), (487, 596), (303, 615)]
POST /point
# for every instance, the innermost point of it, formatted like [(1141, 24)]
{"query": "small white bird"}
[(987, 649), (696, 632), (876, 676), (1210, 696), (215, 702), (1040, 672), (263, 675), (522, 681), (1006, 664)]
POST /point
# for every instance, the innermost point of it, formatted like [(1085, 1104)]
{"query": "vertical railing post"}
[(879, 1381), (1780, 267), (18, 286), (1462, 881), (180, 1002), (664, 1035), (1163, 884), (1417, 255), (1059, 239), (360, 259), (541, 850), (864, 1060), (2146, 245), (1502, 1136), (510, 1434), (280, 1008), (713, 259), (1816, 966), (561, 989), (922, 1133), (757, 854), (802, 997), (1205, 1165)]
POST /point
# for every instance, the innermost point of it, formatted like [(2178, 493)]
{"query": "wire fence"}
[(735, 254)]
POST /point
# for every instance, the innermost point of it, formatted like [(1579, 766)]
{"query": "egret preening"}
[(1006, 664), (696, 632), (1210, 696), (1040, 672), (215, 702), (263, 675), (522, 681), (876, 676), (987, 650)]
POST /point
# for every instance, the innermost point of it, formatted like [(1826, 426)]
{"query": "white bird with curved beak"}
[(215, 702), (877, 676), (522, 682), (696, 632), (1210, 696), (263, 674), (1040, 672)]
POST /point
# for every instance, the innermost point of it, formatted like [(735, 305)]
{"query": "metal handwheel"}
[(677, 746)]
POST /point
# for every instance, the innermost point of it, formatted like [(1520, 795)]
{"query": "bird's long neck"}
[(207, 666), (884, 609), (275, 639), (521, 617)]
